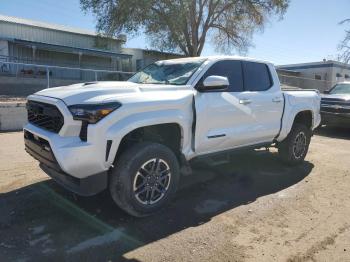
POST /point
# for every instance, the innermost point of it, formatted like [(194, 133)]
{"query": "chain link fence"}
[(49, 72)]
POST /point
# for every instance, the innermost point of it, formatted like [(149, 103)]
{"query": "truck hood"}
[(336, 96), (99, 92)]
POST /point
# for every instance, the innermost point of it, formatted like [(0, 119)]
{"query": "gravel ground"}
[(251, 208)]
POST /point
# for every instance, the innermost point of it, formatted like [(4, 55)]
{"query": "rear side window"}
[(231, 69), (256, 76)]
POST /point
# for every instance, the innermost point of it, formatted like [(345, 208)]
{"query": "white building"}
[(316, 75), (34, 42)]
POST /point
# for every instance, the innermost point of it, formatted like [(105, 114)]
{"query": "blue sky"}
[(310, 30)]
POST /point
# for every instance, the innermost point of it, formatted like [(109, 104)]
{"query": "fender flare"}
[(120, 129), (289, 118)]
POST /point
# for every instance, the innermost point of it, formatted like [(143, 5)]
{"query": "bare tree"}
[(186, 25), (344, 45)]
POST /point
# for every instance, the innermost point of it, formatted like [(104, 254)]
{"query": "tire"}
[(134, 184), (294, 148)]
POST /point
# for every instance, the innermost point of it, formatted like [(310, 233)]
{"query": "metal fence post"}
[(48, 77), (96, 76)]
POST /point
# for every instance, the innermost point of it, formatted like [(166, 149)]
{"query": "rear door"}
[(264, 99)]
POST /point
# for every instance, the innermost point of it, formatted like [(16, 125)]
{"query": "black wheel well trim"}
[(145, 133), (304, 117), (299, 117), (194, 123)]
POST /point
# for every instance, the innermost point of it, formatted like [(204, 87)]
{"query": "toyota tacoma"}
[(136, 137)]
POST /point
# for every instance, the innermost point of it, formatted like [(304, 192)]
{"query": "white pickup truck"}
[(137, 137)]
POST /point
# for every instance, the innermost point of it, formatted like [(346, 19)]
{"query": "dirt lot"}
[(250, 209)]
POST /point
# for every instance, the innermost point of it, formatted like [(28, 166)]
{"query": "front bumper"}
[(41, 150), (334, 119)]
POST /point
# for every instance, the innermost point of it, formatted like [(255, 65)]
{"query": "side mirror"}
[(326, 92), (215, 83)]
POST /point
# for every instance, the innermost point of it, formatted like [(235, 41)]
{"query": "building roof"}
[(23, 21), (69, 49), (328, 63)]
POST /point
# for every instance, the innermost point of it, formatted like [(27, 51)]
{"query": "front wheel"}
[(294, 148), (145, 178)]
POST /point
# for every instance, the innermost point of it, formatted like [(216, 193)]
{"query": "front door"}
[(222, 120)]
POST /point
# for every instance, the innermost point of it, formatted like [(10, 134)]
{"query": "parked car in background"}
[(335, 106), (136, 137)]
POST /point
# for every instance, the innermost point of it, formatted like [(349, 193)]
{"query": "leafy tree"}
[(344, 46), (186, 25)]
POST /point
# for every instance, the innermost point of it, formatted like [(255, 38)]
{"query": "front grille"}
[(328, 99), (335, 110), (335, 105), (44, 115)]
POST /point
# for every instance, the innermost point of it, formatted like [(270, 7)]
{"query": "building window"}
[(339, 75), (139, 64), (346, 76), (318, 77)]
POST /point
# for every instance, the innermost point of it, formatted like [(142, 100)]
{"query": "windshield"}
[(340, 89), (167, 72)]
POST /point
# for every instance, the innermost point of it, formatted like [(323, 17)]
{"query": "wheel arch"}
[(169, 134), (304, 117), (301, 115)]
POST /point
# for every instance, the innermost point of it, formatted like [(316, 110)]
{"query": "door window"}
[(256, 76), (231, 69)]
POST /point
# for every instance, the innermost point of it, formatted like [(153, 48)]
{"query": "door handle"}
[(245, 101), (276, 100)]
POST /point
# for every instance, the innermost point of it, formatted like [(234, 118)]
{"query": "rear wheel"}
[(294, 148), (145, 178)]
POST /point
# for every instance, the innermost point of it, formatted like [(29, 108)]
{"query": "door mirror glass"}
[(215, 83)]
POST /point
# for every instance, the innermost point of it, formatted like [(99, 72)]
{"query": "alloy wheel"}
[(152, 181), (299, 145)]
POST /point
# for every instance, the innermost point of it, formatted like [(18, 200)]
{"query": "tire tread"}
[(285, 149)]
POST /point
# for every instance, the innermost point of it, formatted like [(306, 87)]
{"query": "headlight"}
[(92, 113)]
